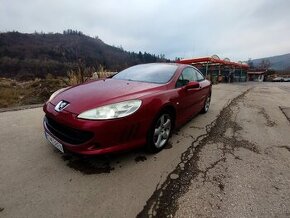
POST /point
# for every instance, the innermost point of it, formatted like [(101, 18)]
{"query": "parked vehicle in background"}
[(139, 106), (278, 79), (287, 79)]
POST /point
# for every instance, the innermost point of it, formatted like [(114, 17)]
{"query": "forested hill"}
[(28, 55), (278, 63)]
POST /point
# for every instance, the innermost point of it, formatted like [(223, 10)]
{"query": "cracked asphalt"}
[(244, 166), (233, 161)]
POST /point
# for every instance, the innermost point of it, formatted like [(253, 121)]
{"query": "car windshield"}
[(151, 73)]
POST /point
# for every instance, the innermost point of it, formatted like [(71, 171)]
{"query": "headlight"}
[(56, 93), (112, 111)]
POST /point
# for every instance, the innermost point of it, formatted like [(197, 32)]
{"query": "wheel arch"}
[(170, 109)]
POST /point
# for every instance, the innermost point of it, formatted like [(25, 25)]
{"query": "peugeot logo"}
[(61, 105)]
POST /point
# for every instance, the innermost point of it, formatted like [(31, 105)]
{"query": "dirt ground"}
[(233, 161)]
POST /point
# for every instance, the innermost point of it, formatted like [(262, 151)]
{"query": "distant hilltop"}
[(278, 63), (39, 54)]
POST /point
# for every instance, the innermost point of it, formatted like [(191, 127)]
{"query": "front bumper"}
[(89, 137)]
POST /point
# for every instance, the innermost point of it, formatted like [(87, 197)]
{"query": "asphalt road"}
[(233, 161)]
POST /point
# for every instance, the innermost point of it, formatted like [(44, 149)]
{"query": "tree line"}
[(23, 56)]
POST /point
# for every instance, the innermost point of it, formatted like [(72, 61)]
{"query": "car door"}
[(188, 99), (204, 89)]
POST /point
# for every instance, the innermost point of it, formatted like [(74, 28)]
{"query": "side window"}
[(187, 75), (199, 76)]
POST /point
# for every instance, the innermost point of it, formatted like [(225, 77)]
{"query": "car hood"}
[(102, 92)]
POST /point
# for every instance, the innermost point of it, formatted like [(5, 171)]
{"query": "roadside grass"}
[(9, 96), (15, 93)]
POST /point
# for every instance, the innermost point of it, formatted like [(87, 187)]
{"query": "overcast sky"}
[(238, 29)]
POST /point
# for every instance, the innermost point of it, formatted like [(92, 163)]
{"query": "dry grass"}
[(74, 78), (78, 76), (9, 96), (13, 93)]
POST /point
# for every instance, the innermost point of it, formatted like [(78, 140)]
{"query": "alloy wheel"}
[(162, 130), (207, 103)]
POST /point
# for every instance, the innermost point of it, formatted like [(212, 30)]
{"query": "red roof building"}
[(218, 70)]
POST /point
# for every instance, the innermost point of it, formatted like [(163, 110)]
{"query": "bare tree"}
[(251, 63), (265, 64)]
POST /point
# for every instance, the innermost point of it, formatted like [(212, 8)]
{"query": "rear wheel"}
[(206, 105), (159, 133)]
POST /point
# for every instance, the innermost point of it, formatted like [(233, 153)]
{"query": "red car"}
[(139, 106)]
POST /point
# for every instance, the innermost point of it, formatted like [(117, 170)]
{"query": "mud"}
[(140, 158), (168, 145), (102, 164), (221, 186), (66, 157), (269, 122), (283, 109), (89, 165), (286, 147), (196, 127), (164, 201)]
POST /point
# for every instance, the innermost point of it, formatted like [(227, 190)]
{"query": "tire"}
[(206, 105), (159, 132)]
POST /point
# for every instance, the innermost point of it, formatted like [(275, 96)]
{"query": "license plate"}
[(54, 142)]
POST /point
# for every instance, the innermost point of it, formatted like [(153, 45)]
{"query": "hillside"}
[(278, 63), (29, 55)]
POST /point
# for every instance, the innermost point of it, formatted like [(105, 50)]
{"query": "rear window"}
[(151, 73)]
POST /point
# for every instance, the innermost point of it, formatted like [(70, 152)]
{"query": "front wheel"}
[(206, 105), (159, 133)]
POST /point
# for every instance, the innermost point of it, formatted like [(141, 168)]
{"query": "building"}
[(217, 70), (257, 76)]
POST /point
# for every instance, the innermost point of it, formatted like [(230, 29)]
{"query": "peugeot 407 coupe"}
[(139, 106)]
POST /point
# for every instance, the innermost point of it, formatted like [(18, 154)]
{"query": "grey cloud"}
[(234, 28)]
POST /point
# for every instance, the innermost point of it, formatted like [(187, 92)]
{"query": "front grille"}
[(67, 134)]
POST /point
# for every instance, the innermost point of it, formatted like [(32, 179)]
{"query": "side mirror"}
[(192, 85)]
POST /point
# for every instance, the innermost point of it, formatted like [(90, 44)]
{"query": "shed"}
[(256, 76)]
